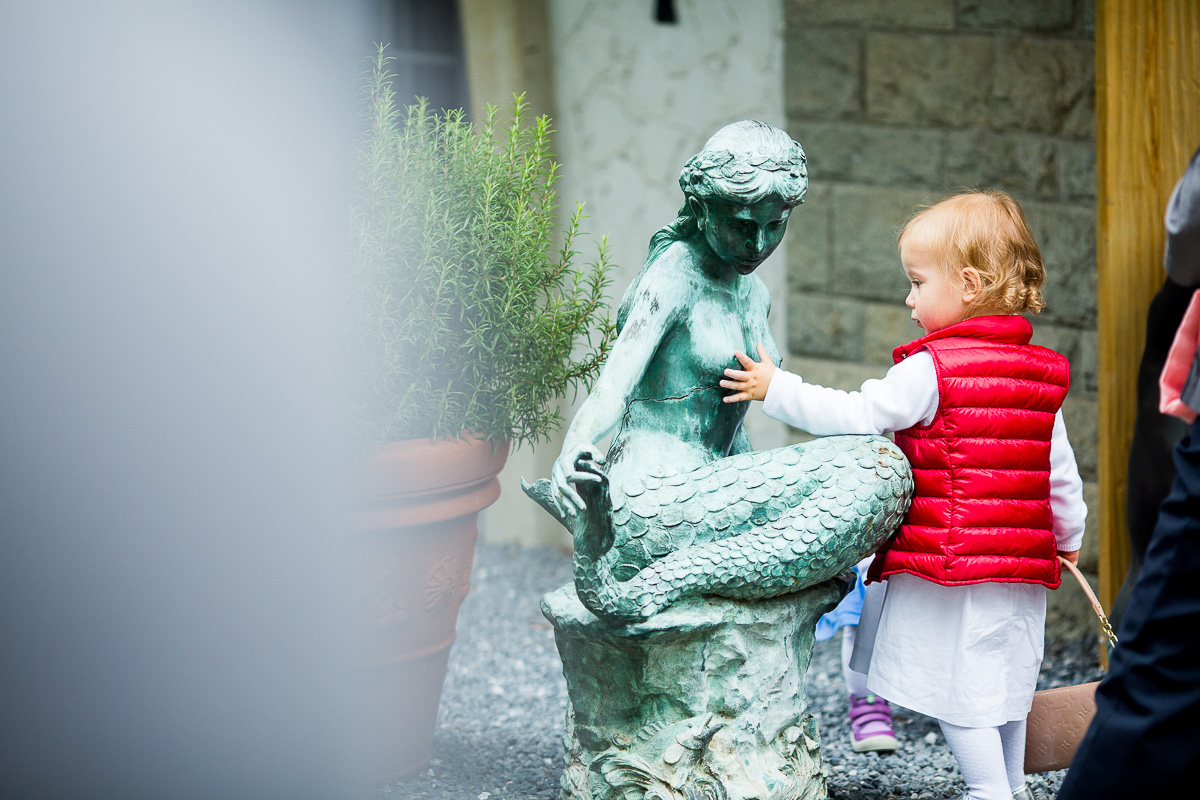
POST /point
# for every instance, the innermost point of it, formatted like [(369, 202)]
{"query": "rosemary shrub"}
[(465, 316)]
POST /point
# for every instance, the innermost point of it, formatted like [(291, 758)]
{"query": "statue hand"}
[(566, 471)]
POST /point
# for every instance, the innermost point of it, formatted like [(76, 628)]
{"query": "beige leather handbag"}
[(1059, 717)]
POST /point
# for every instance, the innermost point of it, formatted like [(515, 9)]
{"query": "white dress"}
[(967, 655)]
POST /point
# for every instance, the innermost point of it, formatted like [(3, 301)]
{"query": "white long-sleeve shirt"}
[(906, 396)]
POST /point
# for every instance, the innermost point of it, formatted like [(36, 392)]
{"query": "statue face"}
[(743, 235)]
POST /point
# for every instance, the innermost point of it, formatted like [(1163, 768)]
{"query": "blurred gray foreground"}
[(174, 186), (174, 179), (499, 734)]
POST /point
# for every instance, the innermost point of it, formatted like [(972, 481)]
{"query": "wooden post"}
[(1147, 127)]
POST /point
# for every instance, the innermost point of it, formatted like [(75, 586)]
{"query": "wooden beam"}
[(1147, 127)]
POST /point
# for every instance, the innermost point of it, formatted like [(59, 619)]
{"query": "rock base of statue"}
[(705, 700)]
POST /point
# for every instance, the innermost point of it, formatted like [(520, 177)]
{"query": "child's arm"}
[(904, 397), (1066, 493)]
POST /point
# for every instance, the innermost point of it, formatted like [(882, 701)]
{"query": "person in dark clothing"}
[(1155, 434), (1143, 740)]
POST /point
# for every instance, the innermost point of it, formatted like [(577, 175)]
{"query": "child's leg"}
[(1012, 740), (856, 682), (870, 716), (980, 759)]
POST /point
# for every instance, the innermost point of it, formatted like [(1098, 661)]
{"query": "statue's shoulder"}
[(662, 288), (672, 272)]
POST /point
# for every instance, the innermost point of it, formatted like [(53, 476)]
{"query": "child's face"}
[(936, 299)]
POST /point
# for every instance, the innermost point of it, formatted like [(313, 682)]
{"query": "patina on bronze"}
[(681, 511)]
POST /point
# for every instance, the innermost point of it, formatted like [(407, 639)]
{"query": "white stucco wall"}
[(635, 99)]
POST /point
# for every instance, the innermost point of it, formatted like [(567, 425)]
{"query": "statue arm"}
[(650, 316)]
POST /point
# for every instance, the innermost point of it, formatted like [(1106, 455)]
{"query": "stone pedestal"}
[(703, 701)]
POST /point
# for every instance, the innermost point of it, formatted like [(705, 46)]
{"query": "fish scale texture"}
[(753, 525)]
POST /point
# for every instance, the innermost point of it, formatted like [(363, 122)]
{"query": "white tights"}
[(992, 760), (856, 682)]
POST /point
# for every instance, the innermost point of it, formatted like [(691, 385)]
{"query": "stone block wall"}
[(901, 102)]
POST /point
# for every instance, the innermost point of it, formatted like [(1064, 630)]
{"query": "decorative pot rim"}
[(418, 467)]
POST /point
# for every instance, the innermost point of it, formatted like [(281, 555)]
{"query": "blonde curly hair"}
[(984, 229)]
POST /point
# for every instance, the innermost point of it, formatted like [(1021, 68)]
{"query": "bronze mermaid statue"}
[(680, 505)]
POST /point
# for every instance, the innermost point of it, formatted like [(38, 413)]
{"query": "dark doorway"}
[(425, 39)]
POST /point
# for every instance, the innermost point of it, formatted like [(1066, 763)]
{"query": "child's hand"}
[(1072, 556), (751, 381)]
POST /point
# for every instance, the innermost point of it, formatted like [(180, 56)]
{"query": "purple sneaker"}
[(871, 725)]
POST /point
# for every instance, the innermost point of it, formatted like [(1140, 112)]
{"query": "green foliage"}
[(466, 316)]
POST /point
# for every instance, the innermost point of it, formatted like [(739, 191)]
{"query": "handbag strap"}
[(1083, 584)]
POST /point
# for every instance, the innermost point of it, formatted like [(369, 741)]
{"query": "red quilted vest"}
[(981, 468)]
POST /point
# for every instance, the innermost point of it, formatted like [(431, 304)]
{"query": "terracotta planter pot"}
[(418, 519)]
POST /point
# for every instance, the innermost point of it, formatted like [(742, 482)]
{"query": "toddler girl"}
[(976, 409)]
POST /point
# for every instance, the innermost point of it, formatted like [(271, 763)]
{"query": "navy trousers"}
[(1146, 734)]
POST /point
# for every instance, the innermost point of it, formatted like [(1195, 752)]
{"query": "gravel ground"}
[(499, 734)]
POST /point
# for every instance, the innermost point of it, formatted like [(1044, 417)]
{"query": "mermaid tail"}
[(754, 525)]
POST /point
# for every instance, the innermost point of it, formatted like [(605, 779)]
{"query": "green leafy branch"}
[(466, 316)]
